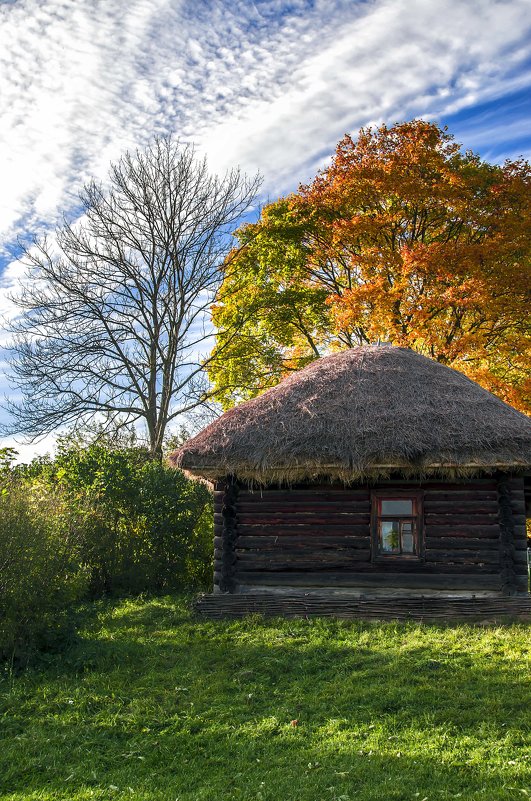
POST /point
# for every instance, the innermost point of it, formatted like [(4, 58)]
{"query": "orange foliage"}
[(427, 247), (403, 238)]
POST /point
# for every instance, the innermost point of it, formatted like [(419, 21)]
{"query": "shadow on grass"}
[(172, 707)]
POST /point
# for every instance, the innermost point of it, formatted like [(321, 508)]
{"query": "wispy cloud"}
[(399, 59), (268, 85)]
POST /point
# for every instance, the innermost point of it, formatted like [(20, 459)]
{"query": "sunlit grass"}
[(153, 704)]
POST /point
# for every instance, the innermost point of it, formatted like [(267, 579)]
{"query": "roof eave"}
[(290, 473)]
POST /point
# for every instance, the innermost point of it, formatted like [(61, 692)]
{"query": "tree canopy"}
[(404, 238)]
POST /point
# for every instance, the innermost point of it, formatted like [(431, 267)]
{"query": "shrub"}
[(145, 525), (41, 573), (98, 519)]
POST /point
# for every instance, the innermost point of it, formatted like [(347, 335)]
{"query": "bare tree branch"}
[(113, 312)]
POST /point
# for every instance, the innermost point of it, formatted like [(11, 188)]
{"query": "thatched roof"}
[(367, 411)]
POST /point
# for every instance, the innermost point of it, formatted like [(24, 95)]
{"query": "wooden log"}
[(303, 530), (315, 494), (460, 494), (460, 519), (301, 542), (516, 483), (462, 555), (219, 555), (518, 507), (309, 492), (283, 563), (465, 484), (402, 567), (463, 508), (315, 557), (463, 530), (348, 578), (520, 537), (319, 556), (280, 518), (304, 507), (477, 543)]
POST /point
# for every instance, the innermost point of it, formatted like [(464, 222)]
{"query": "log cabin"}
[(373, 482)]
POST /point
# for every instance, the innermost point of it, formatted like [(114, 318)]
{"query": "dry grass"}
[(367, 411)]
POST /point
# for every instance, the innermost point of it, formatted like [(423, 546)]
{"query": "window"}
[(396, 525)]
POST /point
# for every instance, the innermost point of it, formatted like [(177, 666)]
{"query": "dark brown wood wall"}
[(517, 550), (225, 533), (527, 496), (320, 536)]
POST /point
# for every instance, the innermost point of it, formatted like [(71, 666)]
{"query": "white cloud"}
[(269, 85), (402, 58), (27, 451), (9, 283), (265, 84)]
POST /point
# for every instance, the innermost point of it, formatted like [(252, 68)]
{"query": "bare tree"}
[(114, 310)]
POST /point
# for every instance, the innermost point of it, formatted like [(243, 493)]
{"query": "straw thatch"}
[(368, 411)]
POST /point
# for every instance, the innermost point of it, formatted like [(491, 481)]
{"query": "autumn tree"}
[(403, 238), (114, 311)]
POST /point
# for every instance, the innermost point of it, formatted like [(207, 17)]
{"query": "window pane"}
[(408, 542), (390, 536), (397, 507)]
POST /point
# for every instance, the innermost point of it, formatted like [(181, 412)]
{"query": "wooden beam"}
[(294, 604), (348, 578)]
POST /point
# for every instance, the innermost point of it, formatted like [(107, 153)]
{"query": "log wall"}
[(515, 537), (319, 536), (225, 534), (527, 496)]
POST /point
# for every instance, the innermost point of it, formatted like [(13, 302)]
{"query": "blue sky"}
[(267, 85)]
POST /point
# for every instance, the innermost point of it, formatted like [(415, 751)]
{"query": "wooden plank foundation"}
[(491, 610)]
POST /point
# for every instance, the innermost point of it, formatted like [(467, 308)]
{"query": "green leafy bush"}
[(41, 572), (98, 519), (146, 526)]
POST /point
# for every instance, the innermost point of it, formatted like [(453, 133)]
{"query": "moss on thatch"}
[(368, 411)]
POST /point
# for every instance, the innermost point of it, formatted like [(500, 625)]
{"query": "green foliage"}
[(280, 314), (144, 523), (152, 705), (42, 571), (98, 519), (404, 238)]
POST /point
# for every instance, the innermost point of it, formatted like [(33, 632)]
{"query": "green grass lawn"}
[(153, 704)]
